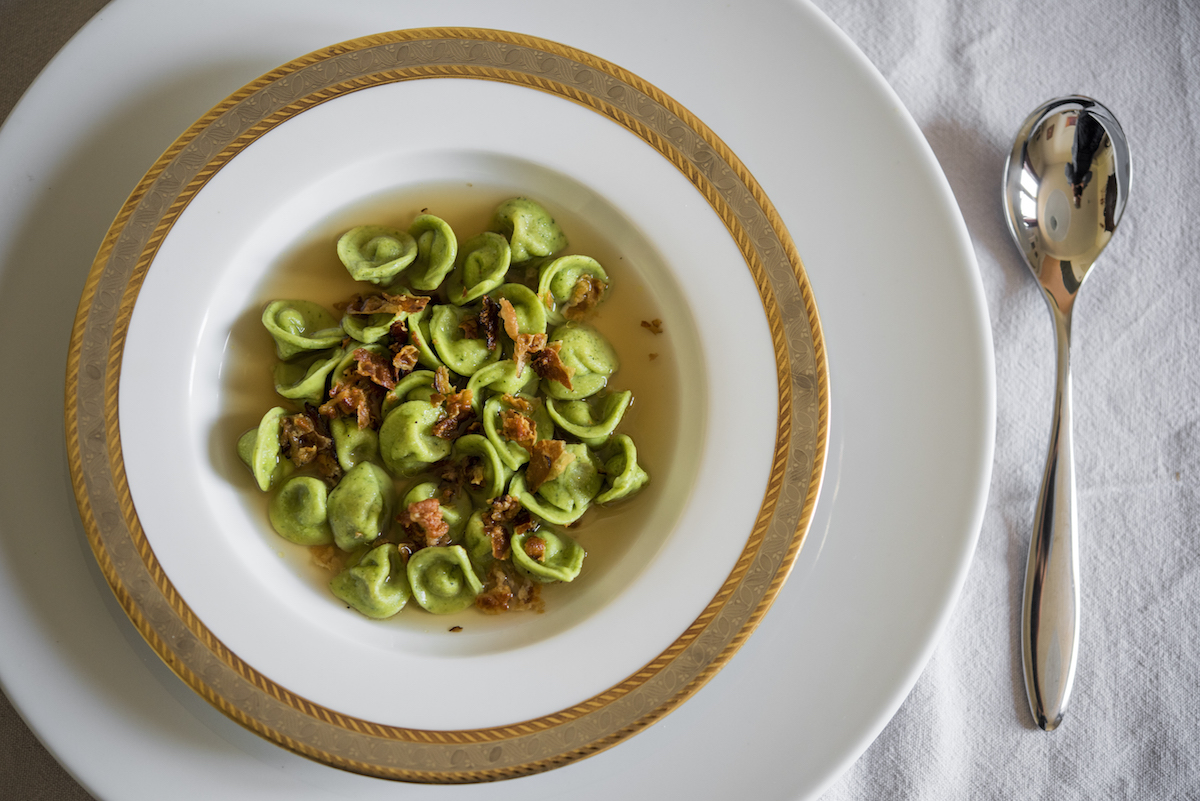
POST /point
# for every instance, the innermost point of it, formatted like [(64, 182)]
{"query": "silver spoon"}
[(1065, 186)]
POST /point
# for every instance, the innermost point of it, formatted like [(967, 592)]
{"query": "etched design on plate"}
[(234, 687)]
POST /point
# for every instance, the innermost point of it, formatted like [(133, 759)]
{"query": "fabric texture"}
[(969, 73)]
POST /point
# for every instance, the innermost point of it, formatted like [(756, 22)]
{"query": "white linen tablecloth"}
[(969, 72)]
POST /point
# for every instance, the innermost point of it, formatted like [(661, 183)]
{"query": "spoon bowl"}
[(1065, 187)]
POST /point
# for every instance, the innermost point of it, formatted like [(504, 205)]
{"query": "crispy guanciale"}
[(304, 439), (489, 322), (547, 364), (457, 405), (526, 345), (585, 296), (508, 316), (497, 518), (359, 398), (485, 325), (405, 360), (398, 331), (547, 461), (360, 391), (375, 367), (519, 428), (384, 303), (505, 590), (535, 548), (424, 523)]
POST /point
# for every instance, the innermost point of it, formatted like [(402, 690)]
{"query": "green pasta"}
[(376, 253), (434, 443), (377, 584)]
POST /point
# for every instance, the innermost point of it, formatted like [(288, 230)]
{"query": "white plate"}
[(909, 351), (266, 224)]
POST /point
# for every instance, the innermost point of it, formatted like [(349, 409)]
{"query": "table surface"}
[(968, 73)]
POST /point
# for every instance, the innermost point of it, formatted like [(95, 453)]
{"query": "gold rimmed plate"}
[(243, 205)]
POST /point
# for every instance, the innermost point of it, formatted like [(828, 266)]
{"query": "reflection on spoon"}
[(1065, 186)]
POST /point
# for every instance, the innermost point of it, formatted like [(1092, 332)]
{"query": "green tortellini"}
[(588, 354), (300, 325), (499, 378), (377, 585), (558, 279), (360, 506), (478, 545), (576, 417), (624, 475), (417, 385), (420, 338), (480, 267), (304, 379), (462, 354), (442, 579), (352, 444), (376, 253), (510, 452), (495, 473), (299, 511), (561, 557), (437, 247), (563, 500), (406, 439), (524, 453), (259, 449), (530, 229), (527, 307), (371, 328)]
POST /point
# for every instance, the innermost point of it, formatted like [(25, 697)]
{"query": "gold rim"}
[(216, 673)]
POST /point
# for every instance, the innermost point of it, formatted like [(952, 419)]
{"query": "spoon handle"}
[(1050, 619)]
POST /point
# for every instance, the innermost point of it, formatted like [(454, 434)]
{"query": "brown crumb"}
[(653, 326), (360, 398), (441, 382), (489, 322), (585, 296), (517, 402), (508, 315), (653, 356), (424, 523), (405, 360), (500, 512), (374, 367), (526, 345), (519, 428), (398, 331), (547, 461), (384, 303), (304, 439), (535, 548), (456, 628), (505, 590), (457, 405), (547, 364)]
